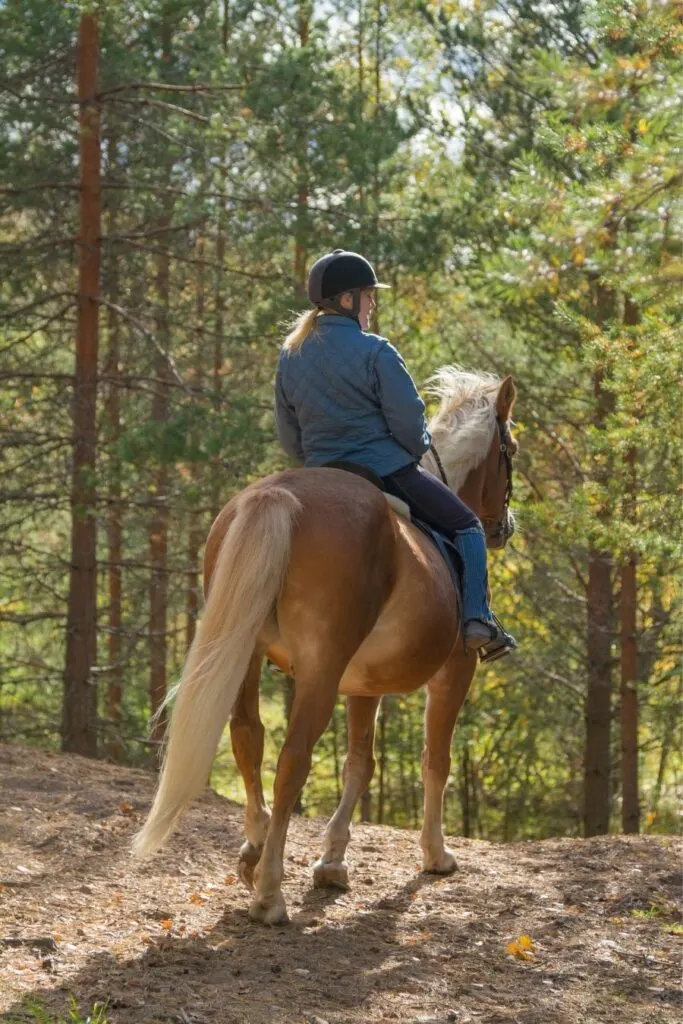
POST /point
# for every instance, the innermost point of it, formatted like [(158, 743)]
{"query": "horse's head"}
[(471, 432)]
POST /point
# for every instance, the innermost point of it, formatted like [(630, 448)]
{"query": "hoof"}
[(271, 912), (443, 864), (330, 875), (249, 858)]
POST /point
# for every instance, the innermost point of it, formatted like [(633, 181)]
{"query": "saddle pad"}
[(401, 508), (444, 546)]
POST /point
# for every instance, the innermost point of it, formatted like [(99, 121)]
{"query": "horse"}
[(313, 569)]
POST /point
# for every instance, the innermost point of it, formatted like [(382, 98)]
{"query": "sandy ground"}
[(171, 941)]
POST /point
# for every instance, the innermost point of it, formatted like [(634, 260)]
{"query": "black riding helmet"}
[(338, 272)]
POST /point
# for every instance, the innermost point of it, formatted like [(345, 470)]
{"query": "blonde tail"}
[(246, 581)]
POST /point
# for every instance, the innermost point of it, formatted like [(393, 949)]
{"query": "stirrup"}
[(498, 647)]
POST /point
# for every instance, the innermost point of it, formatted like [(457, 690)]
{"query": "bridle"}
[(504, 455)]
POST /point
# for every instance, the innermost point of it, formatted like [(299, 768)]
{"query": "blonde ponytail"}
[(299, 330)]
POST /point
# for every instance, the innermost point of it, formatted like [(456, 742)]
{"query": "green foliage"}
[(516, 173)]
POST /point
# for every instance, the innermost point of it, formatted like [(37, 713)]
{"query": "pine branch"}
[(196, 87)]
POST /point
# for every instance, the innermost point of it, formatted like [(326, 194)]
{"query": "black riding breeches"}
[(430, 500)]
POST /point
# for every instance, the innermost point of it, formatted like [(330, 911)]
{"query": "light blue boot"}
[(482, 630)]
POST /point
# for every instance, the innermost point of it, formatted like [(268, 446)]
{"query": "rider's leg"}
[(436, 505)]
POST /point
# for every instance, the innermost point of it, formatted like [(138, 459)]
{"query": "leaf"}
[(167, 923), (126, 808), (523, 948), (197, 899)]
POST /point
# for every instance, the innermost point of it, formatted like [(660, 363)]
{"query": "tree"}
[(79, 733), (559, 116)]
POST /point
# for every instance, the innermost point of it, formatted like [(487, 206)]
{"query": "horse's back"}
[(360, 581)]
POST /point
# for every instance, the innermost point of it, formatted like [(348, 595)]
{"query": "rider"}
[(344, 395)]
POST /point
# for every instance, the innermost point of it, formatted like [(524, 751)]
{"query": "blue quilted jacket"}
[(347, 395)]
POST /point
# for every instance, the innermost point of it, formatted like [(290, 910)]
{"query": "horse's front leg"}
[(359, 767), (446, 693)]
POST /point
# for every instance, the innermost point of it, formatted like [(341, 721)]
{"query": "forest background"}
[(168, 172)]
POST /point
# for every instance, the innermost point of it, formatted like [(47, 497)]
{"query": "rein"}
[(439, 463)]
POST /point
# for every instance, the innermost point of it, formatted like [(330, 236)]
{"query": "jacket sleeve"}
[(401, 404), (288, 430)]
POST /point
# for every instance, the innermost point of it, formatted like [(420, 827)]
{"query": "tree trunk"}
[(158, 534), (360, 44), (670, 729), (376, 183), (79, 721), (219, 328), (114, 508), (195, 531), (218, 472), (465, 791), (598, 708), (300, 234), (630, 799), (630, 804), (599, 696)]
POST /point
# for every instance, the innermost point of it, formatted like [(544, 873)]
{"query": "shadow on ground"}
[(311, 970)]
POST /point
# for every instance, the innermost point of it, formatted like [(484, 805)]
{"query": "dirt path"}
[(171, 941)]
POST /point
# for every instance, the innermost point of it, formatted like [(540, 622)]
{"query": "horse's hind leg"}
[(246, 733), (446, 693), (359, 768), (314, 698)]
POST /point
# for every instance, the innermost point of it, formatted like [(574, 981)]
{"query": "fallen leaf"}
[(523, 948), (126, 808), (197, 899), (167, 923)]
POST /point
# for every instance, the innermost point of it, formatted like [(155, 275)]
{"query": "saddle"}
[(443, 545)]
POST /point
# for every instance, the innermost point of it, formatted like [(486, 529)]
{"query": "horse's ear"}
[(505, 400)]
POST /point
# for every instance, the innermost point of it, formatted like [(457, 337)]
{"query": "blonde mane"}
[(464, 424)]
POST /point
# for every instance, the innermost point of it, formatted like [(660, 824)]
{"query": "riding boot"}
[(482, 630)]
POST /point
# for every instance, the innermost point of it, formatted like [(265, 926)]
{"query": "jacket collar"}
[(338, 318)]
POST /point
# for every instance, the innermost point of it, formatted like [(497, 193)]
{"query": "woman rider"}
[(343, 395)]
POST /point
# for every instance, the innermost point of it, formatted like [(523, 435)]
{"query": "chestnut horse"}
[(313, 569)]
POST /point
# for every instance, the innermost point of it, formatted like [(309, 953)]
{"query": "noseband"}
[(504, 455)]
